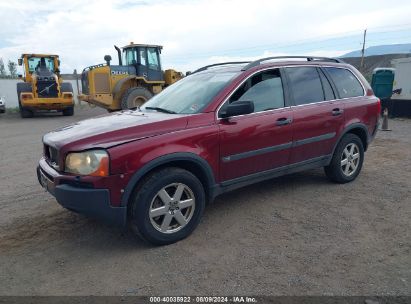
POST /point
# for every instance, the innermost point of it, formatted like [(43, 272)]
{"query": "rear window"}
[(345, 81)]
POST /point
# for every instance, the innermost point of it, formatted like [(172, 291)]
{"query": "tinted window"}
[(305, 85), (328, 90), (265, 90), (347, 84)]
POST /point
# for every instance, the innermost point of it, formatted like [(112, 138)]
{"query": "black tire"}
[(68, 111), (24, 87), (336, 171), (147, 193), (67, 87), (135, 97)]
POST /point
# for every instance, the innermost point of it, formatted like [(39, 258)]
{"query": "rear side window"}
[(328, 90), (305, 84), (347, 84)]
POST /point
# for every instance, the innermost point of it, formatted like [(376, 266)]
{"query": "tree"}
[(2, 69), (12, 68)]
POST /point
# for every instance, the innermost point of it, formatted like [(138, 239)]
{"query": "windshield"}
[(190, 94), (130, 56), (34, 62)]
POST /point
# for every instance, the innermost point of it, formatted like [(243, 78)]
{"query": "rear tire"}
[(167, 206), (25, 113), (347, 160), (21, 88), (69, 111), (67, 87), (135, 97)]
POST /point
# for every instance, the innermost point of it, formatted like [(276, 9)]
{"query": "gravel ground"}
[(293, 235)]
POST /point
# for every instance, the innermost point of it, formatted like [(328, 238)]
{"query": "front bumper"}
[(91, 202), (58, 103)]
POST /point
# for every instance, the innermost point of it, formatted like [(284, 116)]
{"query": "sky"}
[(198, 32)]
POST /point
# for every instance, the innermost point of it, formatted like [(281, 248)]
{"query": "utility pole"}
[(362, 52), (78, 87)]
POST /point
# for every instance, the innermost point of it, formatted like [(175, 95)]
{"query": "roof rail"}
[(217, 64), (308, 58)]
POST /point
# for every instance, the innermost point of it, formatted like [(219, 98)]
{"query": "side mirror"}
[(238, 108), (107, 58), (20, 61)]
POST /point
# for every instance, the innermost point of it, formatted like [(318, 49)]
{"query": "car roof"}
[(274, 62)]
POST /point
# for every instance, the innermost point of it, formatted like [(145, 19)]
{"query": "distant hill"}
[(382, 50), (372, 62)]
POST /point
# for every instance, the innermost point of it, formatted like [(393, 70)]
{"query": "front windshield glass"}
[(34, 62), (190, 94), (130, 56)]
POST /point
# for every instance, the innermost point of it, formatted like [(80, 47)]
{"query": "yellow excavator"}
[(42, 87), (136, 78)]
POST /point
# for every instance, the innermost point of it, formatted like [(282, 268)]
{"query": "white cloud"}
[(193, 33)]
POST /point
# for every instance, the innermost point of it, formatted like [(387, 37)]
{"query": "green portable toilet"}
[(382, 82)]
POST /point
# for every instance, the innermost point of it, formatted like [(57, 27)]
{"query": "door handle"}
[(283, 121), (337, 112)]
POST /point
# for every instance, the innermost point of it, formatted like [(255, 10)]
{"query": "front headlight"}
[(93, 162)]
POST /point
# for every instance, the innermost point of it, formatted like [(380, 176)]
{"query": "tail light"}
[(370, 92)]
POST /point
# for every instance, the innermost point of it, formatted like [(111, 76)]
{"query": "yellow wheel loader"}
[(128, 85), (42, 87)]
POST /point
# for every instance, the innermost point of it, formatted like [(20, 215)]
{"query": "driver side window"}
[(264, 89)]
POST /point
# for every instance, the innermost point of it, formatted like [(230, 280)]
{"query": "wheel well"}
[(362, 134), (191, 166)]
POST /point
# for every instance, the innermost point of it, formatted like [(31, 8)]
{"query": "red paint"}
[(134, 139)]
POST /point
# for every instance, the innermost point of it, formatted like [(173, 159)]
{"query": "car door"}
[(317, 114), (153, 65), (261, 140), (141, 66)]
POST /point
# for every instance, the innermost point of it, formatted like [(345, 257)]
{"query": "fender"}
[(120, 83), (348, 129), (162, 160)]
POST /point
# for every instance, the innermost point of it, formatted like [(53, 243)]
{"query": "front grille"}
[(47, 88), (51, 155)]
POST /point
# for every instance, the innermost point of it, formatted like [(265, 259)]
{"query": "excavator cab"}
[(145, 59)]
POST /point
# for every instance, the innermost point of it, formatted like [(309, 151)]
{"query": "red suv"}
[(222, 127)]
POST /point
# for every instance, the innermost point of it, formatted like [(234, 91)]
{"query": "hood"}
[(113, 129)]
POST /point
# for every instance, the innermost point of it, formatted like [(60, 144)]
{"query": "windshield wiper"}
[(158, 109)]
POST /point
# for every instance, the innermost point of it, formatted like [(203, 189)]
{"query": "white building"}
[(402, 78)]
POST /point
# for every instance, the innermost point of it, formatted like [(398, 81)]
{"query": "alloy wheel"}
[(350, 159), (172, 208)]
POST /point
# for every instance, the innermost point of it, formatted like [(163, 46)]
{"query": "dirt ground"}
[(293, 235)]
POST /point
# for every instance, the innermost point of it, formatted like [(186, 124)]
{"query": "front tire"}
[(135, 97), (347, 160), (68, 111), (21, 88), (167, 206)]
